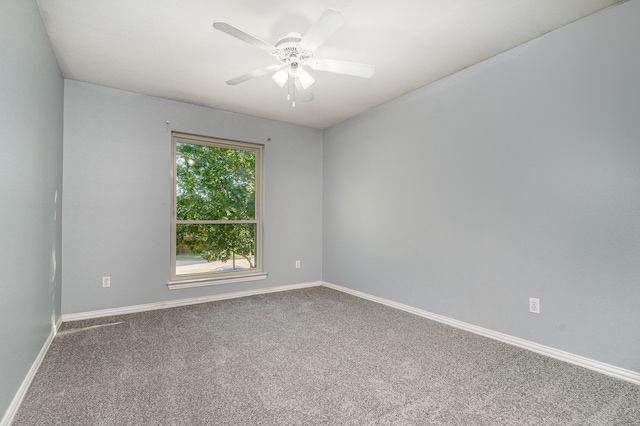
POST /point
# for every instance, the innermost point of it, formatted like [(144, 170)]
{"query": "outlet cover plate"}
[(534, 305)]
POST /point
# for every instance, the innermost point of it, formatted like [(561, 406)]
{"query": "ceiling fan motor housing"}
[(289, 52)]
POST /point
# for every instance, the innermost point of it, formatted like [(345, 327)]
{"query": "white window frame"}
[(203, 279)]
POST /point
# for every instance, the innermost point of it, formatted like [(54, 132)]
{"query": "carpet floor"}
[(307, 357)]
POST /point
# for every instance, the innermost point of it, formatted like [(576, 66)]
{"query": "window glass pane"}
[(214, 183), (202, 248)]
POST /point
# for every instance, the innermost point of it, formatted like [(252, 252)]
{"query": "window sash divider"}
[(215, 222)]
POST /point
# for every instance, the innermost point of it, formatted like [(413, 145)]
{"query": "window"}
[(216, 222)]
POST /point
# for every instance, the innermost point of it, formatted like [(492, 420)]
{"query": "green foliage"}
[(214, 183)]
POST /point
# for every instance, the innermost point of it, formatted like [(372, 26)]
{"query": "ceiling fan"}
[(294, 52)]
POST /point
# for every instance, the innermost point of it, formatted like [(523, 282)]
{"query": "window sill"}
[(201, 282)]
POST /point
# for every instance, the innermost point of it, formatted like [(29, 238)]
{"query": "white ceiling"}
[(169, 48)]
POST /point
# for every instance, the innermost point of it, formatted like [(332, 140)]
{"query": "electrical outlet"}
[(297, 264), (534, 305), (106, 281)]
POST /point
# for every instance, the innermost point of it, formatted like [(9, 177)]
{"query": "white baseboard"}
[(182, 302), (600, 367), (22, 391)]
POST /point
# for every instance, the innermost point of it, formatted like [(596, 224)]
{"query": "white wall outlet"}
[(297, 264), (106, 281), (534, 305)]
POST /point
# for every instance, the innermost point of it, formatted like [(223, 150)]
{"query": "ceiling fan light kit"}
[(280, 77), (294, 52)]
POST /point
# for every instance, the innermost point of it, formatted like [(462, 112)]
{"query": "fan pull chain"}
[(291, 92)]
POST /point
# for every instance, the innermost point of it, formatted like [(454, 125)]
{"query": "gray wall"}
[(117, 162), (516, 178), (31, 97)]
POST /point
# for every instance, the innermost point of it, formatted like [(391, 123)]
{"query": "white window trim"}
[(199, 280), (202, 282)]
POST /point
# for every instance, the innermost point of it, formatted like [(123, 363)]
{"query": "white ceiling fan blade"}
[(241, 35), (301, 94), (328, 23), (343, 67), (253, 74)]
